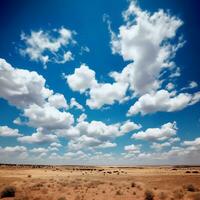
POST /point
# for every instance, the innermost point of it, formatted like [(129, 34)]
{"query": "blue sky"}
[(99, 82)]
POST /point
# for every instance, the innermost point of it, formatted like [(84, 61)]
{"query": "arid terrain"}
[(99, 183)]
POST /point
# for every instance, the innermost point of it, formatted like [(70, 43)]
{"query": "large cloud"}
[(40, 136), (13, 154), (145, 40), (48, 117), (20, 87), (96, 134), (58, 101), (106, 94), (43, 47), (162, 100), (26, 90), (166, 131), (82, 79)]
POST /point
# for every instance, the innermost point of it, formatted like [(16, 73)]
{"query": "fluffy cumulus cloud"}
[(163, 100), (13, 154), (58, 101), (82, 79), (129, 126), (40, 136), (39, 150), (160, 146), (193, 143), (149, 41), (20, 87), (145, 40), (96, 134), (6, 131), (132, 148), (106, 94), (41, 46), (165, 132), (43, 116)]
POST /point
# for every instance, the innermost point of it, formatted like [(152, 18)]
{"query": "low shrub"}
[(133, 184), (149, 195), (191, 188), (8, 191), (119, 192)]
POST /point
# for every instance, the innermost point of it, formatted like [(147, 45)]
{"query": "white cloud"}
[(191, 85), (133, 149), (13, 149), (95, 134), (129, 126), (159, 146), (100, 94), (76, 155), (56, 144), (193, 143), (82, 79), (107, 94), (83, 142), (75, 104), (12, 154), (145, 40), (66, 57), (41, 46), (48, 117), (162, 100), (166, 131), (38, 137), (5, 131), (82, 118), (107, 144), (39, 150), (58, 101), (20, 87)]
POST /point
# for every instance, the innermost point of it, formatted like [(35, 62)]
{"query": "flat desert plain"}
[(99, 183)]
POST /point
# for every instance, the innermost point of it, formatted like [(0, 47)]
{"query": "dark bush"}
[(133, 184), (190, 188), (8, 191), (149, 195)]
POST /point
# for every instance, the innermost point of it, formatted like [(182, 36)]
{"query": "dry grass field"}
[(99, 183)]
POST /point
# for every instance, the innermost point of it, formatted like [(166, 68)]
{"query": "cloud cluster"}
[(83, 80), (40, 106), (40, 136), (6, 131), (45, 47), (96, 134), (145, 41), (149, 41), (163, 100), (21, 87), (166, 131)]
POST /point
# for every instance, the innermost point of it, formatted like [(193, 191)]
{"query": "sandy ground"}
[(101, 183)]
